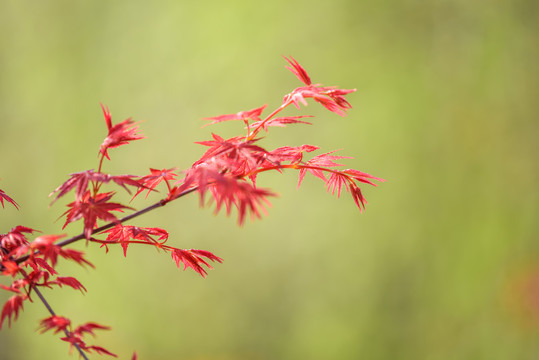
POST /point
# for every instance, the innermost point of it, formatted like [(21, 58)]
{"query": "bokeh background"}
[(444, 263)]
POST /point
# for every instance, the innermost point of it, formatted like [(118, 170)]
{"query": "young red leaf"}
[(119, 134), (108, 117), (362, 177), (119, 234), (17, 285), (155, 178), (99, 350), (320, 164), (92, 208), (358, 197), (45, 245), (4, 196), (76, 256), (69, 281), (15, 237), (123, 234), (79, 181), (42, 264), (74, 340), (281, 121), (253, 114), (206, 254), (335, 183), (326, 160), (10, 288), (194, 259), (338, 97), (89, 328), (329, 96), (298, 70), (58, 323), (231, 192), (9, 268), (11, 309), (291, 154), (231, 153)]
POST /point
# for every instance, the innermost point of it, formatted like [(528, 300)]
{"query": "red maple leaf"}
[(253, 114), (36, 262), (292, 154), (320, 164), (194, 259), (9, 268), (362, 177), (45, 245), (335, 183), (123, 234), (237, 156), (232, 192), (119, 134), (231, 153), (69, 281), (298, 70), (11, 309), (58, 323), (92, 208), (100, 350), (75, 338), (281, 121), (155, 178), (79, 181), (330, 97), (76, 256), (15, 237), (4, 196), (89, 328)]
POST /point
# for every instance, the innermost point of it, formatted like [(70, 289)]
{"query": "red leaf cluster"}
[(330, 97), (126, 235), (75, 336), (36, 270)]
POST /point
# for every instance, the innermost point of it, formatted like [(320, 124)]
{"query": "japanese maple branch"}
[(158, 204)]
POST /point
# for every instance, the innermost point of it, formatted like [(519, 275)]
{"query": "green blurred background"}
[(444, 263)]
